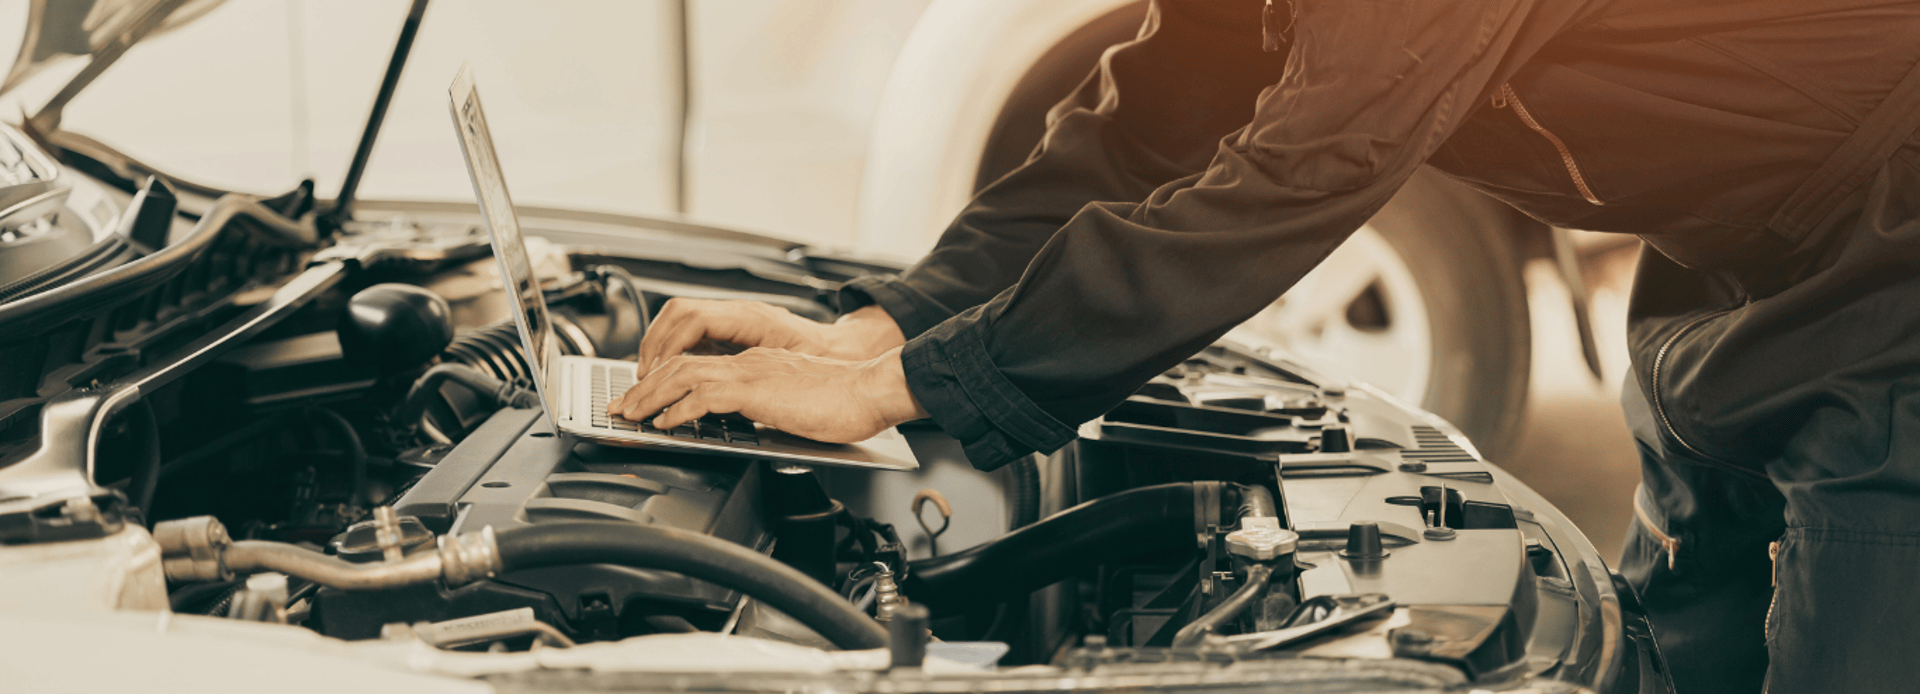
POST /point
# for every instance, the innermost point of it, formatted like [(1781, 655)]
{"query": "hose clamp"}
[(193, 549), (470, 557)]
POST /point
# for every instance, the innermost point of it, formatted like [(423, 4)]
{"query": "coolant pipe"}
[(1255, 502), (199, 549), (1197, 630), (252, 556), (1157, 521)]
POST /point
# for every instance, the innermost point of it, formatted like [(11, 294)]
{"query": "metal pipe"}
[(1196, 631), (199, 549), (249, 556)]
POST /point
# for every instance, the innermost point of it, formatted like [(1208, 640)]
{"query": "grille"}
[(1435, 447)]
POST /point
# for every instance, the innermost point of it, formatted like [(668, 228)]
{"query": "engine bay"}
[(374, 468)]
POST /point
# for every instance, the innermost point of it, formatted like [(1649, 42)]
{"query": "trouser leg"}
[(1841, 496), (1846, 616), (1696, 552)]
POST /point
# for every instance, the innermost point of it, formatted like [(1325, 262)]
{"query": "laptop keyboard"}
[(716, 428)]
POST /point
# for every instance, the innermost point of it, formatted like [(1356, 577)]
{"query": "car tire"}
[(1463, 250)]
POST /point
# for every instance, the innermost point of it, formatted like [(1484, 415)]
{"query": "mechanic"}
[(1764, 148)]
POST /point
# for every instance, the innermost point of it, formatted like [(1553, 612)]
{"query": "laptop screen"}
[(496, 209)]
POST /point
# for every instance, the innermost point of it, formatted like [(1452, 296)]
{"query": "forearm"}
[(864, 333), (1126, 290), (885, 382), (1152, 112)]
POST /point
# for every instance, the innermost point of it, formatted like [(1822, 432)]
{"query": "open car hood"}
[(98, 30)]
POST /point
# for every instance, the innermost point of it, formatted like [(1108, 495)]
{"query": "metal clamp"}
[(193, 549)]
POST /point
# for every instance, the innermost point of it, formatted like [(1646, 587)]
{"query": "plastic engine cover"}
[(513, 472)]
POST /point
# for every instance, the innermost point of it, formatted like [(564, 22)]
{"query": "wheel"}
[(1426, 302)]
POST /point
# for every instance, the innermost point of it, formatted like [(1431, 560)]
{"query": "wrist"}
[(886, 388), (866, 333)]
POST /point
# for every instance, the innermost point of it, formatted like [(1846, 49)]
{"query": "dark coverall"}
[(1764, 149)]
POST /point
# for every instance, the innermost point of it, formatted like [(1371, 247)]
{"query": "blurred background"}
[(791, 118), (259, 94)]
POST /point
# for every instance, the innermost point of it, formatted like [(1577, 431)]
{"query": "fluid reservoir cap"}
[(1261, 539)]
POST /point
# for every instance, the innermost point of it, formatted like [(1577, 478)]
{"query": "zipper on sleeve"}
[(1656, 396), (1667, 542), (1505, 97), (1773, 556), (1659, 403)]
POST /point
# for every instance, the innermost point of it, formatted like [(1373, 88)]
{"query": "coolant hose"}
[(1156, 521), (701, 557), (1257, 502)]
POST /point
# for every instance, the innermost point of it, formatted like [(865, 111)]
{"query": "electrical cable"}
[(946, 517), (632, 290), (356, 453)]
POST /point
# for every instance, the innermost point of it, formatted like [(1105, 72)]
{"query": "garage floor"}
[(1575, 449)]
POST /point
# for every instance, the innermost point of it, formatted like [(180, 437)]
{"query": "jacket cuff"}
[(913, 310), (950, 373)]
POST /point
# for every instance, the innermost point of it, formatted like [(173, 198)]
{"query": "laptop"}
[(575, 389)]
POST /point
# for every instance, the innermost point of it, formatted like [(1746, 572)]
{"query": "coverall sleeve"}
[(1125, 290), (1189, 79)]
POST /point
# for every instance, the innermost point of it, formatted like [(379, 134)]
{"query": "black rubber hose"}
[(495, 349), (701, 557), (146, 473), (356, 453), (427, 387), (1025, 494), (1196, 631), (1156, 522), (631, 287)]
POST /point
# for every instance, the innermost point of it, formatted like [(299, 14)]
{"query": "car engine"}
[(333, 431)]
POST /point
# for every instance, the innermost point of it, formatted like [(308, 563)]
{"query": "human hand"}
[(684, 323), (823, 399)]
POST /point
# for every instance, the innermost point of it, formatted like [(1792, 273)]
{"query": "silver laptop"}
[(575, 389)]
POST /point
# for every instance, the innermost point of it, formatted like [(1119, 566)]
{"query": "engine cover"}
[(515, 471)]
